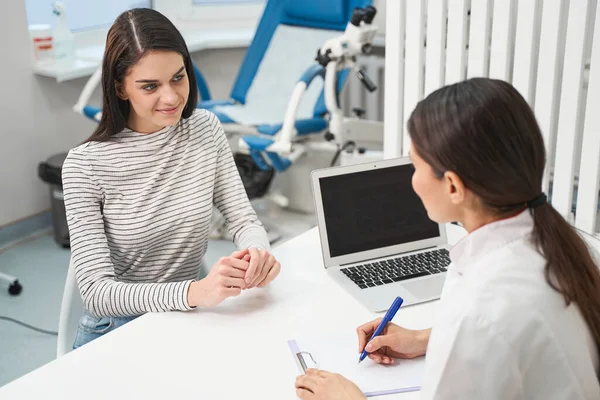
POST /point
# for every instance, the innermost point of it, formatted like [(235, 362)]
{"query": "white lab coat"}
[(501, 331)]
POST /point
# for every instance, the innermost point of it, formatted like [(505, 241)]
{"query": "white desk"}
[(236, 350)]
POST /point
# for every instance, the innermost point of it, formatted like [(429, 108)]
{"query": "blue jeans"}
[(91, 327)]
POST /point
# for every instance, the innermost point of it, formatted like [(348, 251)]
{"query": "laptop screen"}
[(373, 209)]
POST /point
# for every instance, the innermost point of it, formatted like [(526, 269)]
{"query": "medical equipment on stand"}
[(340, 54), (335, 58)]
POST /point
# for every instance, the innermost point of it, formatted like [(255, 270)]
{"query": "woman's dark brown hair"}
[(484, 131), (134, 34)]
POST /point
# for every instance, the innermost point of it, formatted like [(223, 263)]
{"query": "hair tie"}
[(538, 201)]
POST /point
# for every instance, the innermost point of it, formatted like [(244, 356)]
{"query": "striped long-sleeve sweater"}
[(139, 208)]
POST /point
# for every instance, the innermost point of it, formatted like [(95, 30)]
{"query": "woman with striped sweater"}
[(139, 193)]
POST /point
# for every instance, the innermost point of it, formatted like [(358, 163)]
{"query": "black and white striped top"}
[(139, 208)]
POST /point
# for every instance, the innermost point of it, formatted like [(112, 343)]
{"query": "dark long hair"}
[(484, 131), (133, 34)]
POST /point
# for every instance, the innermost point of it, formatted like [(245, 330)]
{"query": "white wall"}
[(36, 119)]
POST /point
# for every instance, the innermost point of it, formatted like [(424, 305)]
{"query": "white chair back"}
[(71, 311), (72, 307), (544, 48)]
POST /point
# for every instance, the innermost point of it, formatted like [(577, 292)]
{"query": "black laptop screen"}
[(372, 209)]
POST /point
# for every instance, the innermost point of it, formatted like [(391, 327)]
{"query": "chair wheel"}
[(15, 288)]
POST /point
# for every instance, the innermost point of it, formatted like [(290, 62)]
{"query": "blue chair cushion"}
[(334, 12), (303, 127), (258, 145), (91, 111), (207, 104), (223, 118), (211, 105)]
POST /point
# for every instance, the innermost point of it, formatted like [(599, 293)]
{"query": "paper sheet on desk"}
[(339, 354)]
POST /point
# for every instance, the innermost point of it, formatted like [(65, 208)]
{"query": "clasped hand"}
[(243, 269)]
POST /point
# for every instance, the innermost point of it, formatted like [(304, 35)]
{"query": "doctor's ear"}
[(456, 187)]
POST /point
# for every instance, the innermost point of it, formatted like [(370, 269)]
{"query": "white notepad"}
[(339, 354)]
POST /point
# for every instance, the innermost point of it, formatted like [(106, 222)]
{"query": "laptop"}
[(376, 237)]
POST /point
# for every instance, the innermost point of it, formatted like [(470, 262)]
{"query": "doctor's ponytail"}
[(484, 131), (570, 268)]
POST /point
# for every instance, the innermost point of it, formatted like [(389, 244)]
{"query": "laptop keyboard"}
[(398, 269)]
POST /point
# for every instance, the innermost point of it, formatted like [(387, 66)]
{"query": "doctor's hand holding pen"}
[(390, 343), (394, 342)]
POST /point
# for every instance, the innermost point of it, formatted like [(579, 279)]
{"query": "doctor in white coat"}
[(519, 317)]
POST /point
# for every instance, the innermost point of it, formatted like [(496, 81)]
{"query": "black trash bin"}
[(256, 181), (50, 172)]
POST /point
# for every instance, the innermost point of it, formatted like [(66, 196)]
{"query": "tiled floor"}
[(41, 267)]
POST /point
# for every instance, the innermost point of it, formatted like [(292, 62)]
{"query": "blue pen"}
[(389, 315)]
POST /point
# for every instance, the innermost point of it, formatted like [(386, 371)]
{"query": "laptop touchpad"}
[(426, 288)]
